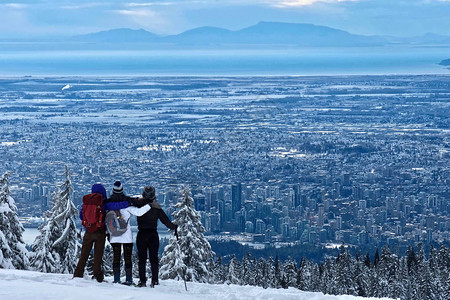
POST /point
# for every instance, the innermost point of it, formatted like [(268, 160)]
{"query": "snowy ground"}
[(24, 285)]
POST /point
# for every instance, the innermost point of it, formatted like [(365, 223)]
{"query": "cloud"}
[(158, 21), (13, 5), (135, 13), (82, 6), (296, 3), (146, 4)]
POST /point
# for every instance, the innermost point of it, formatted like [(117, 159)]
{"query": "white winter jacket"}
[(127, 236)]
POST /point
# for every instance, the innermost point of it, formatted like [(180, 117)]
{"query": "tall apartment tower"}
[(236, 197)]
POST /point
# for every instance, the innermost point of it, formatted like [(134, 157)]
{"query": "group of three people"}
[(148, 212)]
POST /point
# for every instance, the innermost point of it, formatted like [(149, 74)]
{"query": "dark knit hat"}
[(117, 188), (99, 189), (149, 194)]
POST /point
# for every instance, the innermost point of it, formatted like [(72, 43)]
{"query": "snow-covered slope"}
[(24, 285)]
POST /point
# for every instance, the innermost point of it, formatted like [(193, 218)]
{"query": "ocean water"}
[(305, 61)]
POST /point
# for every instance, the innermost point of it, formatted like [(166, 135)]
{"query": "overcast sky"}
[(23, 18)]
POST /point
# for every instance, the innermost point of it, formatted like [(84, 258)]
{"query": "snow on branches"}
[(190, 257), (13, 254)]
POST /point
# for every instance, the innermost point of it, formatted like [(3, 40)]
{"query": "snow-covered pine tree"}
[(362, 275), (303, 276), (443, 261), (290, 271), (195, 250), (43, 258), (67, 245), (270, 272), (173, 264), (344, 274), (246, 270), (406, 291), (13, 254), (386, 274), (277, 273), (233, 272), (261, 274), (56, 249), (219, 271), (326, 277)]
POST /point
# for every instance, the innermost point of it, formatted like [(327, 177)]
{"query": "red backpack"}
[(92, 212)]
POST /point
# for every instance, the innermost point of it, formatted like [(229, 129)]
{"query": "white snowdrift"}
[(24, 285)]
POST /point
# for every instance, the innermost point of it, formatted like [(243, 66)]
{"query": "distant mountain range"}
[(262, 34)]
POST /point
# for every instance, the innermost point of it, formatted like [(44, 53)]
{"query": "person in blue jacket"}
[(120, 202), (92, 239)]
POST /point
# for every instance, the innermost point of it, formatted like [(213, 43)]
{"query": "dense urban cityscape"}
[(361, 160)]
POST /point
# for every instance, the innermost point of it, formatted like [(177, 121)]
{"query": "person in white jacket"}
[(124, 240)]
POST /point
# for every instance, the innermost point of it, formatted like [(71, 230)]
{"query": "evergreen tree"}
[(57, 248), (362, 276), (406, 287), (326, 277), (261, 273), (435, 273), (290, 271), (343, 275), (173, 262), (219, 271), (194, 250), (13, 254), (44, 258), (277, 274), (376, 258), (426, 290), (315, 277), (443, 261), (233, 272), (304, 276), (246, 270), (367, 261), (270, 272), (386, 273), (67, 245)]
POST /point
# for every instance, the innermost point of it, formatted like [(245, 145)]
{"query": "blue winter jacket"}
[(98, 188)]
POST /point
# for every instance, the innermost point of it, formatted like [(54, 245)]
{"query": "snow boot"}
[(116, 278), (128, 276), (141, 284), (116, 271), (152, 285)]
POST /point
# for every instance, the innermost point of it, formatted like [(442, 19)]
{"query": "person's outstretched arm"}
[(139, 211), (165, 220)]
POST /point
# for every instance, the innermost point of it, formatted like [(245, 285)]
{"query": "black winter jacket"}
[(149, 221), (115, 197)]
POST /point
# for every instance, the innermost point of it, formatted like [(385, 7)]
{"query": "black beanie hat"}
[(149, 193), (118, 187)]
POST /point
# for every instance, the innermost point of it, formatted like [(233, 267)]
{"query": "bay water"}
[(387, 60)]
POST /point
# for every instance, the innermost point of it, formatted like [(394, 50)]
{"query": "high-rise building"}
[(321, 216), (296, 189), (236, 197)]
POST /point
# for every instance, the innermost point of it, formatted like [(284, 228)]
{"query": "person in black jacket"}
[(147, 238)]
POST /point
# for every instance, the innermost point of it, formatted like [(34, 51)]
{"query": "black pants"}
[(127, 251), (147, 241)]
